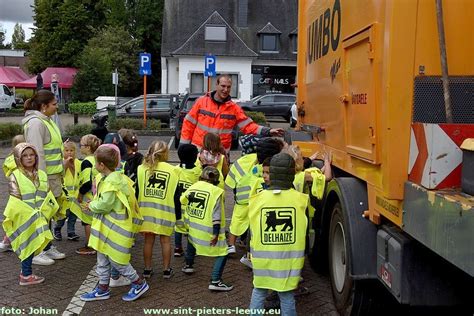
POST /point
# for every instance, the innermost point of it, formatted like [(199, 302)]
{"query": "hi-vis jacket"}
[(207, 117), (26, 219), (278, 225), (317, 186), (86, 175), (71, 184), (204, 204), (156, 189), (113, 231), (9, 165), (247, 186), (187, 177), (53, 151), (239, 168)]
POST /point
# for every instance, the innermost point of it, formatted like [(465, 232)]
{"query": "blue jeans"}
[(287, 302), (26, 269), (219, 263), (71, 223), (178, 240)]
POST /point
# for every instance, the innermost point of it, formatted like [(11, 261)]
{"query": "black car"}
[(271, 105), (180, 112), (159, 107)]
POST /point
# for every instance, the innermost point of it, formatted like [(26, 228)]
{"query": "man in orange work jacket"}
[(216, 113)]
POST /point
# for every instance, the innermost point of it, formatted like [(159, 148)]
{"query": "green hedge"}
[(87, 108), (78, 130), (136, 124), (9, 130), (257, 117)]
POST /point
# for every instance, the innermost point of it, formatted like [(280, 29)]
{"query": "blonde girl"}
[(156, 186)]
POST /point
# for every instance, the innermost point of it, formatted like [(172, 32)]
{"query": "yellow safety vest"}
[(53, 151), (156, 188), (26, 222), (218, 167), (9, 165), (317, 186), (113, 234), (187, 177), (200, 201), (278, 225), (240, 216), (86, 175), (240, 168), (71, 184)]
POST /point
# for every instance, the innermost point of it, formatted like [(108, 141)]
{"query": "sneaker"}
[(121, 281), (241, 244), (188, 269), (72, 236), (85, 251), (54, 254), (231, 249), (31, 279), (136, 291), (220, 286), (57, 235), (167, 274), (147, 273), (178, 252), (42, 259), (96, 295), (5, 247), (246, 261)]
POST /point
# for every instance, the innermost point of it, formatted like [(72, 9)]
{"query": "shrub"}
[(78, 130), (87, 108), (8, 130), (136, 124), (17, 110), (257, 117)]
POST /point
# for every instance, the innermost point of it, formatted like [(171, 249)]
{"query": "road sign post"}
[(209, 69), (144, 70)]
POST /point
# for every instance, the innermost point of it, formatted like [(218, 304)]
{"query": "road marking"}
[(76, 305), (170, 142)]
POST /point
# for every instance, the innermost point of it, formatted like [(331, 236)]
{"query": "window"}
[(215, 33), (269, 43), (294, 43), (6, 90), (198, 84)]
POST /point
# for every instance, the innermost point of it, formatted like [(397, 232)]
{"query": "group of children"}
[(117, 193)]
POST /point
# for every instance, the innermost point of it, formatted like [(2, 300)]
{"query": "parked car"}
[(158, 106), (271, 105), (180, 112), (7, 99)]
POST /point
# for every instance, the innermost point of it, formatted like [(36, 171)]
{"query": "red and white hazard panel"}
[(435, 156)]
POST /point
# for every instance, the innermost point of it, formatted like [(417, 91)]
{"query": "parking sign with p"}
[(145, 64), (209, 65)]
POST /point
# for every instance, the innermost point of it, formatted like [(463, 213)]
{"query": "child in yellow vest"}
[(89, 144), (8, 166), (24, 216), (157, 182), (112, 230), (277, 222), (205, 219), (213, 154), (72, 171)]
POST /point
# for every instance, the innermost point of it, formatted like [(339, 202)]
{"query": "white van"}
[(7, 99)]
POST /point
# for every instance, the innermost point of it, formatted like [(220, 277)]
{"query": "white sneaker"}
[(121, 281), (246, 262), (53, 253), (42, 259), (5, 247), (230, 249)]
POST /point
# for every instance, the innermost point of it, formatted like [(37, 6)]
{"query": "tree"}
[(112, 48), (3, 32), (18, 37)]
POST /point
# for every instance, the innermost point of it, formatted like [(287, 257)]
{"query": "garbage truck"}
[(386, 87)]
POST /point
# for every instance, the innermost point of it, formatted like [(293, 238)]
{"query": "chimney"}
[(242, 13)]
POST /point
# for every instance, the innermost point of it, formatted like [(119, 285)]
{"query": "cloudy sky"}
[(16, 11)]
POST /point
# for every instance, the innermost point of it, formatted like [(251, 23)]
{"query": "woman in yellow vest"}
[(40, 130), (89, 144), (188, 175), (157, 182), (8, 166), (72, 171), (205, 218), (25, 224), (278, 224), (112, 231)]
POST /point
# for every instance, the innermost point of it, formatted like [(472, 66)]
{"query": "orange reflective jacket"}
[(206, 116)]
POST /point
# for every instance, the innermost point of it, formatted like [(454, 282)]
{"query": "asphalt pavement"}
[(67, 279)]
